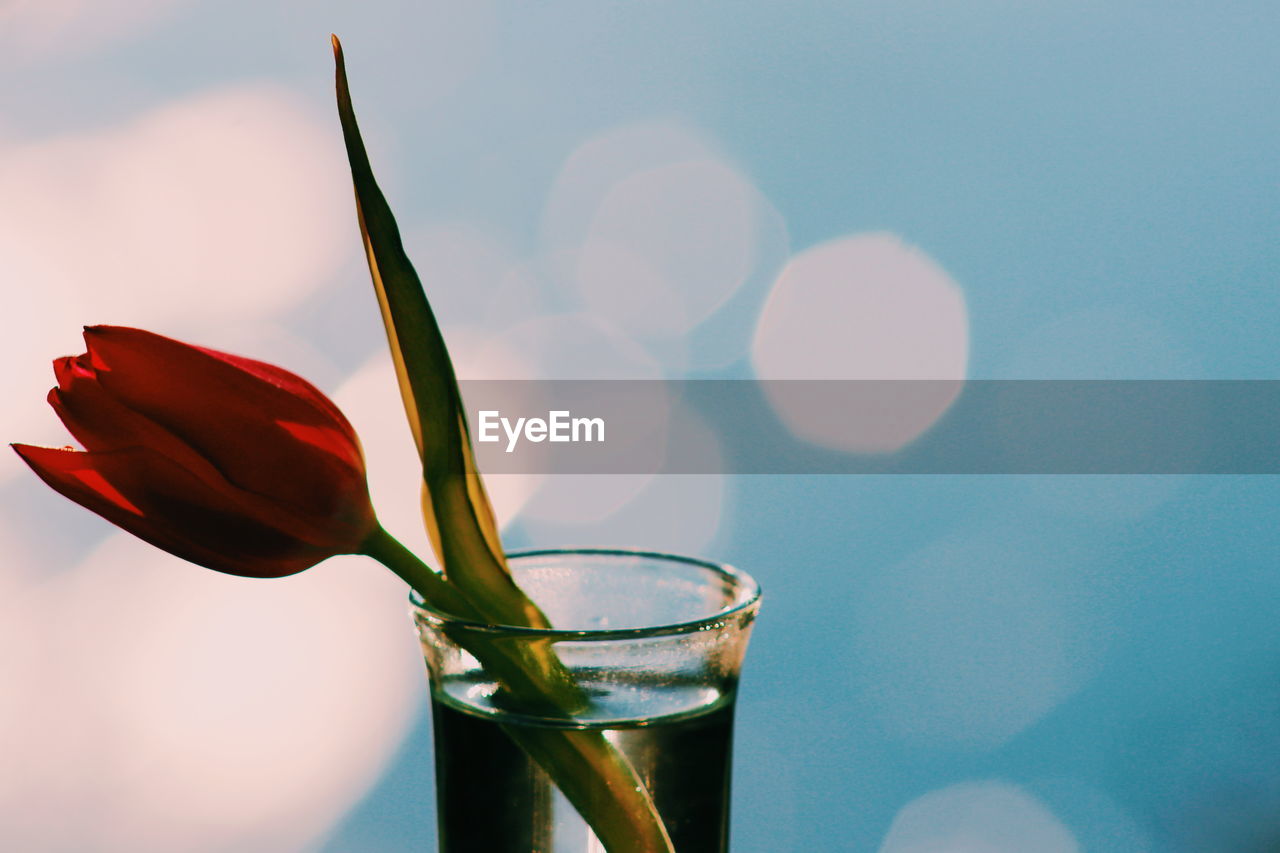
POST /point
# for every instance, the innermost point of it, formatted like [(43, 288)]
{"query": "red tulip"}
[(230, 463)]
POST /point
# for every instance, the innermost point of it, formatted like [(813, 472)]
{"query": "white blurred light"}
[(596, 166), (169, 707), (866, 307), (676, 513), (648, 228), (965, 644), (41, 325), (204, 216), (668, 246), (21, 633), (211, 209), (51, 28), (863, 307), (578, 346), (19, 567), (725, 337), (273, 343), (370, 398), (978, 817), (480, 355)]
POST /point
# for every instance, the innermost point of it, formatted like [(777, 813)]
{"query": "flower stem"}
[(587, 768), (429, 583)]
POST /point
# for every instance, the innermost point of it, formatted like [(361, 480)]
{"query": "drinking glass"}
[(654, 641)]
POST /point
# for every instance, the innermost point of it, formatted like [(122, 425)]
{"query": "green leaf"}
[(598, 779), (455, 507)]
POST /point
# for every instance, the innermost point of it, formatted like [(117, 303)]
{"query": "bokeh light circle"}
[(865, 307)]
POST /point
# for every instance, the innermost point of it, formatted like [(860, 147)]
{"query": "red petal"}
[(100, 423), (163, 504), (291, 396), (71, 367), (229, 410), (290, 382), (103, 425)]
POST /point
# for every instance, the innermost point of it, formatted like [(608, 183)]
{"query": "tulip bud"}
[(230, 463)]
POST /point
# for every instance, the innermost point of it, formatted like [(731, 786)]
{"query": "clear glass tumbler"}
[(654, 642)]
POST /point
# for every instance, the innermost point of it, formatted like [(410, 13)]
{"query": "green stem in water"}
[(587, 768)]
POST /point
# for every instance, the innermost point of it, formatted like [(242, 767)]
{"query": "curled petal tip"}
[(27, 452), (95, 333), (71, 367), (100, 329)]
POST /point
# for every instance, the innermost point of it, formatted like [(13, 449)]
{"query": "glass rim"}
[(740, 579)]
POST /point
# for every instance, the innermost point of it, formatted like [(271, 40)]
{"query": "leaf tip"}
[(339, 69)]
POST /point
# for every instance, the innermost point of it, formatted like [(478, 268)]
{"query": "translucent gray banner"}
[(875, 427)]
